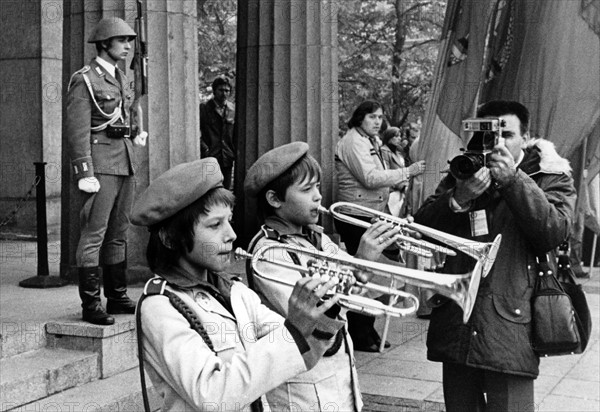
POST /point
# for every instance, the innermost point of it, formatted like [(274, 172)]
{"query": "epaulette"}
[(155, 286), (84, 69), (270, 233)]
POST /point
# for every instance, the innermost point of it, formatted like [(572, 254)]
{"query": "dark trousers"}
[(468, 389), (104, 220)]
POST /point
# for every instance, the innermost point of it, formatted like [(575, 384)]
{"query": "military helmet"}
[(111, 27)]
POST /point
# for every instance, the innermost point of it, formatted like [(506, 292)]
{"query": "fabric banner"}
[(458, 80), (543, 53), (554, 70)]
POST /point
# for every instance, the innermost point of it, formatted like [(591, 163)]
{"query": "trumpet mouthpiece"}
[(240, 254), (323, 210)]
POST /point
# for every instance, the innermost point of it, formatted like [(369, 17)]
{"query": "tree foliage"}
[(217, 31), (387, 52)]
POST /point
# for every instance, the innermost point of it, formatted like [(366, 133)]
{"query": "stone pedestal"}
[(116, 345), (171, 107), (286, 89), (30, 111)]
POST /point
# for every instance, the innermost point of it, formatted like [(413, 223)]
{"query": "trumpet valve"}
[(344, 278)]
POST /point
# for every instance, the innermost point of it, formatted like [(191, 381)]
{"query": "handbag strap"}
[(546, 278), (564, 272)]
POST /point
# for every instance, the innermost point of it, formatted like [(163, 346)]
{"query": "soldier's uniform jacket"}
[(90, 148), (333, 383)]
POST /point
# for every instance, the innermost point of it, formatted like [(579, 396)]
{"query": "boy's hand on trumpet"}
[(306, 310), (306, 314), (378, 237)]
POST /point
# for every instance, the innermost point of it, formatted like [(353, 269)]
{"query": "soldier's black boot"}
[(89, 292), (115, 289)]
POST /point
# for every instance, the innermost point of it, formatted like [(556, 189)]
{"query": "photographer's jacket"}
[(89, 119), (533, 213)]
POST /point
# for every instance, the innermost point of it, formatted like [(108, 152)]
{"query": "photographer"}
[(524, 192)]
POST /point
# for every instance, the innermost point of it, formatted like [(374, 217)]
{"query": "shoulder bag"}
[(556, 326)]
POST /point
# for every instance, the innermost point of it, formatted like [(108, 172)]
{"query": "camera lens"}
[(464, 166)]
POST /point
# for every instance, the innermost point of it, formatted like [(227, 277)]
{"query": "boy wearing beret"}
[(286, 181), (207, 341)]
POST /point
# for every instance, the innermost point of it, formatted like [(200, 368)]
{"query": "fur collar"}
[(549, 160)]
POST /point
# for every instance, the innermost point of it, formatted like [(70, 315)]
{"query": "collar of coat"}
[(228, 105), (541, 157), (181, 278)]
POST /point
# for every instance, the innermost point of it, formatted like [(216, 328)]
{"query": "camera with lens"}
[(485, 136)]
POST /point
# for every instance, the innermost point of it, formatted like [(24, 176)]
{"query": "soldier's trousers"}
[(104, 221)]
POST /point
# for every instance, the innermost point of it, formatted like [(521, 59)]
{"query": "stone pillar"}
[(286, 89), (30, 110), (171, 107)]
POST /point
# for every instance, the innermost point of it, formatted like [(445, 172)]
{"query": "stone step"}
[(21, 336), (116, 345), (121, 392), (37, 374)]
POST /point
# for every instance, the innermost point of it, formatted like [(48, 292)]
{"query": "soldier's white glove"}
[(140, 139), (89, 184)]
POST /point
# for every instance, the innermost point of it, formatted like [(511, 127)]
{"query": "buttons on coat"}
[(203, 300)]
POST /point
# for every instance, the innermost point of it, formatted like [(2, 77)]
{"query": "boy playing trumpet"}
[(207, 341), (286, 182)]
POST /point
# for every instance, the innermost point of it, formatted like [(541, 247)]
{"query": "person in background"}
[(100, 145), (526, 194), (217, 117), (392, 151), (364, 179), (207, 342), (411, 134)]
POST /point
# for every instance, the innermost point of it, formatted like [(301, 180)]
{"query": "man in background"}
[(216, 128)]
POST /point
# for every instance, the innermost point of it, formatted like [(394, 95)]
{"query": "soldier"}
[(100, 146)]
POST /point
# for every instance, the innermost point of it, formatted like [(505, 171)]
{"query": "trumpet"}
[(323, 265), (484, 253), (460, 288)]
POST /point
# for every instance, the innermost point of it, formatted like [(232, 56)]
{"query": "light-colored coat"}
[(333, 383), (362, 177), (254, 351)]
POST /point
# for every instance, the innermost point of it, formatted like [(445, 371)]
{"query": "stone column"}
[(286, 88), (30, 111), (171, 107)]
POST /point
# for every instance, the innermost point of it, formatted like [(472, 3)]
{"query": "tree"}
[(217, 31), (387, 52)]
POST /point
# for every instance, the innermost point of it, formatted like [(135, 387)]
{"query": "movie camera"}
[(485, 132)]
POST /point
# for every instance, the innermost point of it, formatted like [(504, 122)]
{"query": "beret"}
[(175, 189), (271, 165)]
